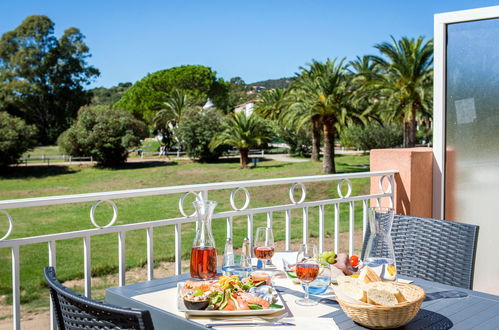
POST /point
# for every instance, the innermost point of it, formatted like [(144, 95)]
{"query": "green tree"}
[(273, 103), (325, 97), (405, 84), (372, 136), (147, 96), (15, 138), (196, 132), (174, 110), (167, 120), (301, 112), (104, 133), (109, 96), (243, 132), (42, 78)]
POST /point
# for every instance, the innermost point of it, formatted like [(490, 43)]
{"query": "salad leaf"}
[(276, 306)]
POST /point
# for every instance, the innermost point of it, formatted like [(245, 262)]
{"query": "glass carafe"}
[(204, 253), (379, 253)]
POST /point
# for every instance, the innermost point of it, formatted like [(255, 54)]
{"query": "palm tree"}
[(243, 132), (272, 103), (301, 113), (175, 109), (405, 84), (325, 90)]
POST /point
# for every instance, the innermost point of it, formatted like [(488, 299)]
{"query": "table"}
[(445, 307)]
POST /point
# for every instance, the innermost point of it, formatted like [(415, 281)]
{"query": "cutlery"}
[(249, 324), (252, 318)]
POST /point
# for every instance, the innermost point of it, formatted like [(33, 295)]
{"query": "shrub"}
[(372, 136), (299, 141), (104, 133), (15, 138), (196, 131)]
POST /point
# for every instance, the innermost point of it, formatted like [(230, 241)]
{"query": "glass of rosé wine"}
[(263, 246), (307, 270)]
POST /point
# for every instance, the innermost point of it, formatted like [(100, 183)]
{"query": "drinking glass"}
[(307, 270), (264, 244), (237, 264)]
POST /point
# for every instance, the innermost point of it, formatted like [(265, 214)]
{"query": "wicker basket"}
[(383, 317)]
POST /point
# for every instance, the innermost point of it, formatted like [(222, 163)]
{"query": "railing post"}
[(351, 228), (229, 227), (250, 231), (52, 263), (336, 227), (364, 218), (178, 249), (86, 266), (16, 290), (150, 253), (305, 225), (121, 258), (269, 219), (288, 230), (321, 228)]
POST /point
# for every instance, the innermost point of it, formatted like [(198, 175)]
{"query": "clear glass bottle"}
[(204, 252), (379, 253)]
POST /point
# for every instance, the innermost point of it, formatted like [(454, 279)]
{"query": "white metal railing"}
[(200, 191)]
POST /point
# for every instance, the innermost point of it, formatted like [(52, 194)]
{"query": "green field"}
[(31, 181)]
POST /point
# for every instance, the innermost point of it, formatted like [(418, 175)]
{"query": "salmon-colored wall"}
[(413, 184)]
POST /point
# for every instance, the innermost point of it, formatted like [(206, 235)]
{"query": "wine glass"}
[(307, 270), (264, 244)]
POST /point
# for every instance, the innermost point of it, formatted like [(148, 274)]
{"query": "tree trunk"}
[(410, 130), (328, 165), (243, 158), (316, 139)]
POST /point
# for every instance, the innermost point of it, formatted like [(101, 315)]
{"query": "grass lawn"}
[(24, 182)]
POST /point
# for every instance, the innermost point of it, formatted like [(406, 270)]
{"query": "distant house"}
[(247, 107), (255, 89)]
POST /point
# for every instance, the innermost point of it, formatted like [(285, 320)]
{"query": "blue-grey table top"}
[(445, 307)]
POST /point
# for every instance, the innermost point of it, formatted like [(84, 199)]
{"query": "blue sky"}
[(255, 40)]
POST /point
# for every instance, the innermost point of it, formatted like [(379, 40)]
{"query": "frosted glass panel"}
[(472, 137)]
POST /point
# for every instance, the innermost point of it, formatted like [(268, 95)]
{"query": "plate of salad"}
[(228, 295)]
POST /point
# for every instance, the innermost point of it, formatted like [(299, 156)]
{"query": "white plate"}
[(181, 307)]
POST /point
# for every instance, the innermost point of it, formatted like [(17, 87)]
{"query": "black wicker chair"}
[(74, 311), (436, 250)]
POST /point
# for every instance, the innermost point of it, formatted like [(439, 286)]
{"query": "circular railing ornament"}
[(380, 184), (115, 213), (292, 193), (11, 225), (349, 186), (233, 196), (181, 203)]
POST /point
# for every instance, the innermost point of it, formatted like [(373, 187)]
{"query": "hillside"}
[(273, 83)]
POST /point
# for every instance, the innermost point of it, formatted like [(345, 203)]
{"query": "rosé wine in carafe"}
[(204, 252)]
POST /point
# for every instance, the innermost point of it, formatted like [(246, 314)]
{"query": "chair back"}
[(436, 250), (74, 311)]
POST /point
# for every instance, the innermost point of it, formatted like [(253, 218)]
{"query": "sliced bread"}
[(387, 286), (354, 291), (383, 297), (346, 279), (368, 275)]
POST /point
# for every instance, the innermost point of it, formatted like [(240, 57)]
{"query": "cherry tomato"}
[(354, 261)]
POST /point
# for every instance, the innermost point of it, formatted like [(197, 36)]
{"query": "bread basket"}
[(384, 317)]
